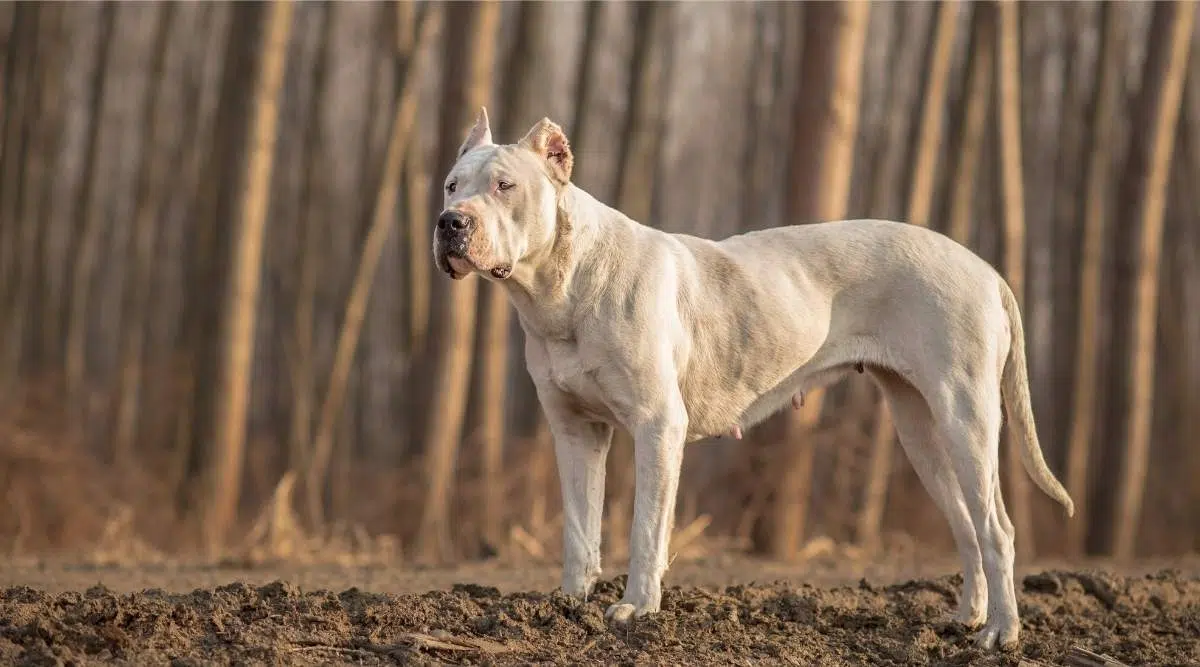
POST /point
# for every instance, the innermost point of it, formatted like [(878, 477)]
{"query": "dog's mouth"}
[(454, 258), (458, 265)]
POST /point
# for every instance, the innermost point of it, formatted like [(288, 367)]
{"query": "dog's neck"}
[(547, 277)]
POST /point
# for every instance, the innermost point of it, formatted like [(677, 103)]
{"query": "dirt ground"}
[(720, 610)]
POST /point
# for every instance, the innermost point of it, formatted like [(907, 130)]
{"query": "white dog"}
[(678, 338)]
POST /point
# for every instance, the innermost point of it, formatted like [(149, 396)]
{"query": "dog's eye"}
[(451, 187), (504, 185)]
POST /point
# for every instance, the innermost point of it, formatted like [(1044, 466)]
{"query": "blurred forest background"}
[(220, 324)]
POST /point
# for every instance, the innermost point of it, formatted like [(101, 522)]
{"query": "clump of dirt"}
[(1154, 619)]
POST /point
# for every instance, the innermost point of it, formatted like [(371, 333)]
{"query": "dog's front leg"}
[(658, 454), (580, 449)]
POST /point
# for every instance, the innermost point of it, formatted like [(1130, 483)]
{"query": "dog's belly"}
[(716, 414)]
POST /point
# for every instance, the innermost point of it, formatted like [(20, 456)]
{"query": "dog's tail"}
[(1014, 387)]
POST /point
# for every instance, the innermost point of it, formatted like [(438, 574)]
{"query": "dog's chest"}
[(568, 368)]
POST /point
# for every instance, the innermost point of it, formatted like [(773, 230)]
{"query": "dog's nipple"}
[(736, 432), (798, 400)]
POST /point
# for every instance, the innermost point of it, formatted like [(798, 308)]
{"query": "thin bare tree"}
[(152, 192), (19, 72), (539, 443), (241, 300), (87, 248), (314, 202), (1105, 105), (903, 33), (1159, 104), (920, 203), (583, 80), (976, 107), (383, 216), (203, 162), (495, 313), (1065, 223), (1008, 75), (37, 72), (467, 78), (641, 139), (821, 163), (419, 262), (41, 182)]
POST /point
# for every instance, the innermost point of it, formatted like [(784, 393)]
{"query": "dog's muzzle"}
[(453, 248), (453, 239)]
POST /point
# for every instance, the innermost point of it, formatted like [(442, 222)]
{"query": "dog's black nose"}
[(453, 220)]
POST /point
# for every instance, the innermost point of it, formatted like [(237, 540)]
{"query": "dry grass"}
[(278, 535), (63, 497)]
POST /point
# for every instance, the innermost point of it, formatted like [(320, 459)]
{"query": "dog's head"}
[(501, 201)]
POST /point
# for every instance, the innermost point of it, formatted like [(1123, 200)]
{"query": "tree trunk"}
[(152, 190), (1040, 64), (241, 299), (495, 316), (525, 400), (467, 83), (29, 140), (1190, 286), (42, 183), (205, 159), (821, 164), (641, 140), (314, 205), (360, 290), (1012, 182), (18, 90), (419, 260), (87, 250), (494, 322), (1105, 105), (1162, 90), (1065, 229), (920, 203), (976, 107), (903, 35), (583, 80), (8, 23)]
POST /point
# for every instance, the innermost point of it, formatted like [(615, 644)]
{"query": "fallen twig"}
[(363, 653), (1081, 657)]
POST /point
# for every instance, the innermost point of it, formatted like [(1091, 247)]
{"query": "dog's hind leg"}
[(969, 420), (1002, 511), (927, 454)]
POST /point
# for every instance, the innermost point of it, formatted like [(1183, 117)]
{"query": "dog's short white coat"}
[(678, 338)]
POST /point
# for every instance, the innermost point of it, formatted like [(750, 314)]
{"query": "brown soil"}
[(1142, 616)]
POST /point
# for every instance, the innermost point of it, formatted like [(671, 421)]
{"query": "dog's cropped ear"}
[(480, 135), (549, 141)]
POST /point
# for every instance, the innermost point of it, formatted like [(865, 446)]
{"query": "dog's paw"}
[(996, 634), (620, 613), (969, 617), (579, 585), (577, 590), (623, 612)]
